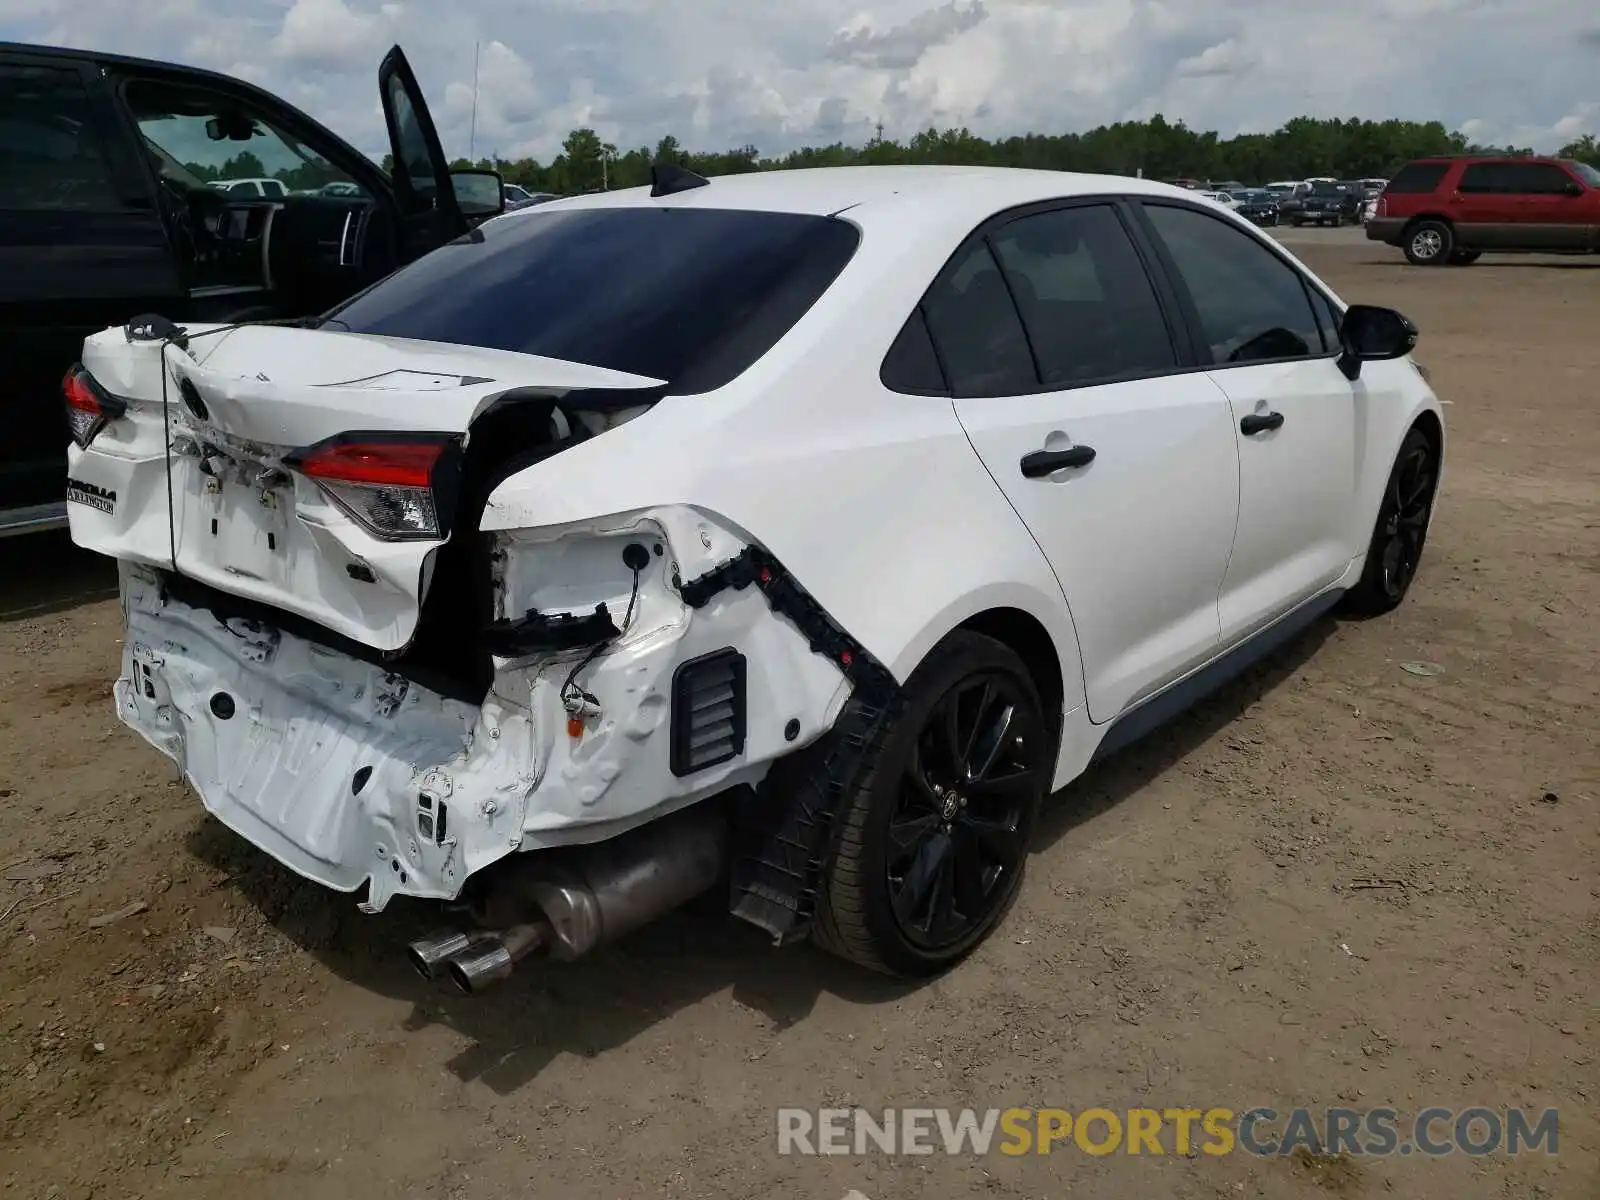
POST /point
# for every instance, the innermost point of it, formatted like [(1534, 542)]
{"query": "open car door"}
[(430, 214)]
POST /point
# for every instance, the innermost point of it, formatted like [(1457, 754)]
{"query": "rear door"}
[(1061, 356), (429, 213), (1484, 206), (81, 247), (1294, 414)]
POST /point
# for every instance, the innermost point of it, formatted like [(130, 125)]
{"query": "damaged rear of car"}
[(349, 625)]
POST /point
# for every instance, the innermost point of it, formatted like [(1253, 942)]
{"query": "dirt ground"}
[(1337, 882)]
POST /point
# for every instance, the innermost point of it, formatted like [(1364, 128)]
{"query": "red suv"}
[(1450, 210)]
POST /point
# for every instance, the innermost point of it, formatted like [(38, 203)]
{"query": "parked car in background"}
[(520, 197), (270, 189), (1227, 185), (1283, 187), (1223, 198), (103, 217), (1257, 205), (493, 586), (1326, 202), (1451, 210)]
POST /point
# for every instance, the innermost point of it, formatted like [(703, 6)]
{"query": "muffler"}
[(576, 898)]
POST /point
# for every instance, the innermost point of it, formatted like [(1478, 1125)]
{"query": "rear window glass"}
[(1417, 177), (693, 296)]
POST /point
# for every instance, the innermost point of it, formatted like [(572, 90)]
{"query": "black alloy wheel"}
[(1402, 528), (956, 835), (934, 837)]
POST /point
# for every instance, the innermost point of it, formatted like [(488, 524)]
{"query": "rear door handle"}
[(1046, 462), (1259, 423)]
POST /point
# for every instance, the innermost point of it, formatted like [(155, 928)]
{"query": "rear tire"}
[(1395, 552), (1429, 243), (933, 838)]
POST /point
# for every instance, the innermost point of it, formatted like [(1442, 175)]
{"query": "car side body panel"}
[(796, 456)]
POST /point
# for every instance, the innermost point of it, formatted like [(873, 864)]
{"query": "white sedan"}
[(796, 533)]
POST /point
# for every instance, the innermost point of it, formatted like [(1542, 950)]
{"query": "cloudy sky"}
[(782, 73)]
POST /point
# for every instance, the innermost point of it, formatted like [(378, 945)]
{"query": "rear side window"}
[(1417, 178), (1089, 308), (1253, 306), (51, 155), (1484, 177), (693, 296), (912, 365), (975, 325)]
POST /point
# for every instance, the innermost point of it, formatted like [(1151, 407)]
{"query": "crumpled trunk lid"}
[(214, 481)]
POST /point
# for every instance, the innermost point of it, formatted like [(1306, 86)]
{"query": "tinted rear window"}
[(691, 296), (1417, 177)]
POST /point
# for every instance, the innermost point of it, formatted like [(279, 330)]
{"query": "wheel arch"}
[(1025, 636), (1419, 218), (1036, 626)]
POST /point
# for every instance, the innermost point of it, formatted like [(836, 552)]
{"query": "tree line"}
[(1161, 149)]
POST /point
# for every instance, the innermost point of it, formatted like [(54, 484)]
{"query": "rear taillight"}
[(389, 483), (89, 408)]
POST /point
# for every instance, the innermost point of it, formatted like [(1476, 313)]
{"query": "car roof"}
[(827, 191), (126, 60)]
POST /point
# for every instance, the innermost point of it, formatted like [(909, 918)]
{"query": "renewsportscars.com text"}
[(1260, 1131)]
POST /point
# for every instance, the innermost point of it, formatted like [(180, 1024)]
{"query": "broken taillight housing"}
[(389, 483), (89, 407)]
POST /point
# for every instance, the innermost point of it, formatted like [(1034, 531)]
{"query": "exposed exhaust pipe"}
[(490, 961), (429, 955), (584, 896)]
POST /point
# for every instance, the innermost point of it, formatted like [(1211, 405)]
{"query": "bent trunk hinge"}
[(784, 832)]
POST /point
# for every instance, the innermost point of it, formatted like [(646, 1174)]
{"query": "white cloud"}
[(332, 35), (718, 73)]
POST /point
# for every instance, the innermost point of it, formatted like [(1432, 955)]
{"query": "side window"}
[(1252, 305), (1089, 309), (197, 138), (1329, 317), (1538, 179), (51, 155), (416, 161), (911, 364), (1482, 178), (975, 325)]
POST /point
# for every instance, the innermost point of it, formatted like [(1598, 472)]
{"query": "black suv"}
[(1328, 204), (131, 187)]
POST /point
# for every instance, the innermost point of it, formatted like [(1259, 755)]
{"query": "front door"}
[(1552, 209), (1067, 379), (81, 247), (429, 213), (1293, 413)]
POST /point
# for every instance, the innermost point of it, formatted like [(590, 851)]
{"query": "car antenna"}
[(667, 179)]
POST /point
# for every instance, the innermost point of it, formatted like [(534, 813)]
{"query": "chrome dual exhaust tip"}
[(478, 967), (430, 955)]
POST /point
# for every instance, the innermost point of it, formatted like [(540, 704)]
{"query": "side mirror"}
[(1573, 188), (1372, 334), (479, 194)]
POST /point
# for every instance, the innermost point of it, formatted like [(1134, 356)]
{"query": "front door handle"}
[(1047, 462), (1259, 423)]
